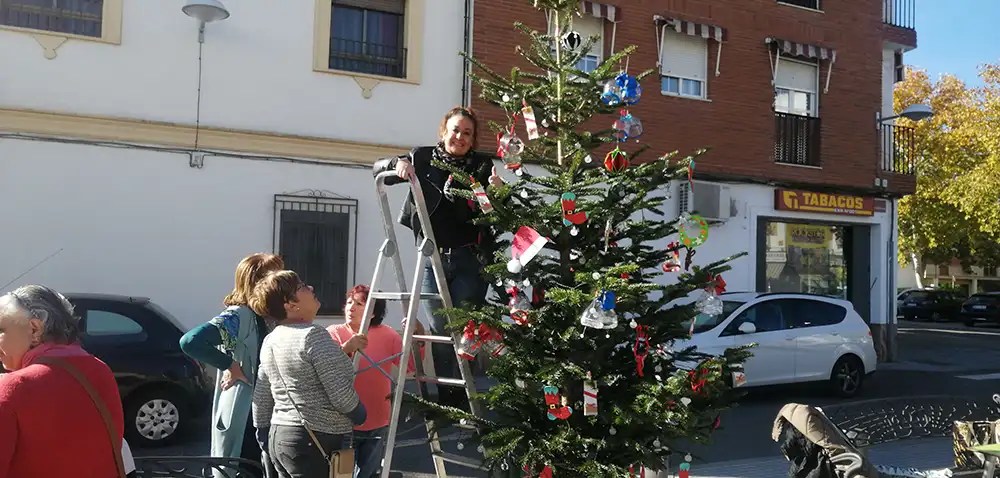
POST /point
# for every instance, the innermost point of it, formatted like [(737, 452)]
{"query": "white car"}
[(799, 337)]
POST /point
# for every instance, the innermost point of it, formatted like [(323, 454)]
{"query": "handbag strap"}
[(312, 435), (98, 402)]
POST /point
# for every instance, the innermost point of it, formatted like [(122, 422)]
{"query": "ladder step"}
[(404, 295), (461, 460), (434, 339), (426, 441), (454, 382)]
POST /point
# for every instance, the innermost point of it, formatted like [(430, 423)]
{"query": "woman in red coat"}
[(60, 412)]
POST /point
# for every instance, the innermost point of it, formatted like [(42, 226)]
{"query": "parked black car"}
[(981, 308), (933, 304), (162, 389)]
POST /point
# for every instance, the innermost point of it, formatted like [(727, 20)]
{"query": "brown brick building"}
[(787, 94)]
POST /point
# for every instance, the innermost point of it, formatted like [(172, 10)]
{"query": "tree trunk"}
[(918, 269)]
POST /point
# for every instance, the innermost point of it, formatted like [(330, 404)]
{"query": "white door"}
[(818, 335), (773, 359)]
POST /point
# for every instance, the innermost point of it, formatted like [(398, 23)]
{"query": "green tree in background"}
[(603, 275), (955, 213)]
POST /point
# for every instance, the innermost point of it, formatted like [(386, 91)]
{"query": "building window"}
[(683, 65), (587, 27), (898, 67), (810, 4), (797, 133), (805, 258), (367, 37), (92, 19), (315, 234)]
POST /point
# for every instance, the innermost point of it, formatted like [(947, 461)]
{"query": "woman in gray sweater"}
[(304, 404)]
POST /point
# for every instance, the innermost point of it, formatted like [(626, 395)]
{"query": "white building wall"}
[(257, 74), (739, 234), (142, 222)]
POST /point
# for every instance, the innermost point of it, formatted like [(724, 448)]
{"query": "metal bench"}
[(195, 467)]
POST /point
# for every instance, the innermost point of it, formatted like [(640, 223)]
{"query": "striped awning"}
[(802, 49), (609, 12), (695, 29)]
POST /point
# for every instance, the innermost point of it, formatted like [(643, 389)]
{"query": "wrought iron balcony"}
[(797, 139), (899, 13), (75, 17), (898, 149), (370, 58)]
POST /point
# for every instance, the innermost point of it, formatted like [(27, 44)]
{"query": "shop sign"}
[(808, 236), (807, 201)]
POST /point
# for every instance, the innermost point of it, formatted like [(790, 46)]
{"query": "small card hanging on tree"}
[(529, 120), (589, 397), (481, 197)]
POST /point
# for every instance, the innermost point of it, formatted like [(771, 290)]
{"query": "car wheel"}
[(154, 418), (847, 375)]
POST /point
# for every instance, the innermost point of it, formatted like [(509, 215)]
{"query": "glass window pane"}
[(691, 88), (781, 100), (670, 84), (806, 258), (103, 323)]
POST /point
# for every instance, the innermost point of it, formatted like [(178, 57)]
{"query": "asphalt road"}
[(934, 359)]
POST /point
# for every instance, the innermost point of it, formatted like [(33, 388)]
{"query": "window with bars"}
[(315, 234), (74, 17), (366, 36), (797, 125)]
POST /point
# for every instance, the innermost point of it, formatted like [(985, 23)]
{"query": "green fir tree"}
[(619, 247)]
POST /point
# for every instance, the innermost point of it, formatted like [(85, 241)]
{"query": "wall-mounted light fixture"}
[(916, 112), (205, 11)]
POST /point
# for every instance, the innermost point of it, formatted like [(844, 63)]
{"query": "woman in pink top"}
[(372, 386)]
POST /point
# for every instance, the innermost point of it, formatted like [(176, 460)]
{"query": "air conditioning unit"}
[(709, 200)]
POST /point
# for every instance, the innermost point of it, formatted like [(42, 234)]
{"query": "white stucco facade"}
[(134, 217)]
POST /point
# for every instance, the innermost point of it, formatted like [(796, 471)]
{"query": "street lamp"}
[(915, 112), (205, 11)]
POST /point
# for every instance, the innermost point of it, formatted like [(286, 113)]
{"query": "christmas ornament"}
[(616, 160), (629, 89), (509, 149), (610, 93), (693, 230), (468, 345), (641, 348), (600, 314), (626, 126), (739, 378), (480, 193), (589, 397), (709, 303), (673, 264), (570, 214), (519, 306), (545, 473), (527, 243), (491, 341), (684, 470), (529, 120), (572, 40), (633, 473), (558, 409)]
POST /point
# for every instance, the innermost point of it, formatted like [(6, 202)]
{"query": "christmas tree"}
[(590, 380)]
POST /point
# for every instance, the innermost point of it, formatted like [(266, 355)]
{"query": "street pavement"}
[(934, 359)]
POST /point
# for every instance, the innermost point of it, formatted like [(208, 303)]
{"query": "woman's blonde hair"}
[(249, 272), (271, 294)]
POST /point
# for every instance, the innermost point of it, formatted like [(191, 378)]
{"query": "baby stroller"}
[(816, 448)]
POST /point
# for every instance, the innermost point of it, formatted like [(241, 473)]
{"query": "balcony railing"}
[(898, 149), (797, 139), (75, 17), (900, 13), (811, 4), (370, 58)]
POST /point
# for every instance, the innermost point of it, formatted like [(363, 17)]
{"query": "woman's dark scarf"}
[(441, 154)]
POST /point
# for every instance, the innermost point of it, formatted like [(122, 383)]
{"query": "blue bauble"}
[(610, 94), (630, 96)]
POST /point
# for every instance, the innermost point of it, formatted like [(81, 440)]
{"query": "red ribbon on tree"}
[(640, 339), (719, 285)]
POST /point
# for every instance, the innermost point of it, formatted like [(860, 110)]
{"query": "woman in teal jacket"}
[(231, 343)]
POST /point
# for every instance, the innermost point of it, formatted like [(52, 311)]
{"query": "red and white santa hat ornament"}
[(526, 245)]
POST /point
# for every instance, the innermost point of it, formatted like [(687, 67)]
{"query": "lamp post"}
[(205, 11), (915, 112)]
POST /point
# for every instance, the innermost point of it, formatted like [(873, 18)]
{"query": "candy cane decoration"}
[(481, 198)]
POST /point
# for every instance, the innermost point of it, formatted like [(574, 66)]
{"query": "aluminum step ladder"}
[(426, 249)]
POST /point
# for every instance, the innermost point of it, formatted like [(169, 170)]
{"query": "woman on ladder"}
[(463, 246)]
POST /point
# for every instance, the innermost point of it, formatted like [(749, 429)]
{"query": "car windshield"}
[(918, 295), (705, 322)]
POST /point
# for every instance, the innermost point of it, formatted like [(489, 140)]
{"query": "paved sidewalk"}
[(922, 453)]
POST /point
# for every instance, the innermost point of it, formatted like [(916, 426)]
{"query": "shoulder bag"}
[(341, 461), (98, 402)]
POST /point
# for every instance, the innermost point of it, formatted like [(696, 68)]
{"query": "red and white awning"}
[(694, 28), (802, 50), (610, 13)]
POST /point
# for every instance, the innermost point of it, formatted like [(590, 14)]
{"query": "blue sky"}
[(956, 36)]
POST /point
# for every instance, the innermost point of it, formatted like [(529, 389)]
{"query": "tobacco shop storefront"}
[(821, 243)]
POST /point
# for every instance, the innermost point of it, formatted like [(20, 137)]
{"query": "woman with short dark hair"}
[(304, 406), (55, 392)]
